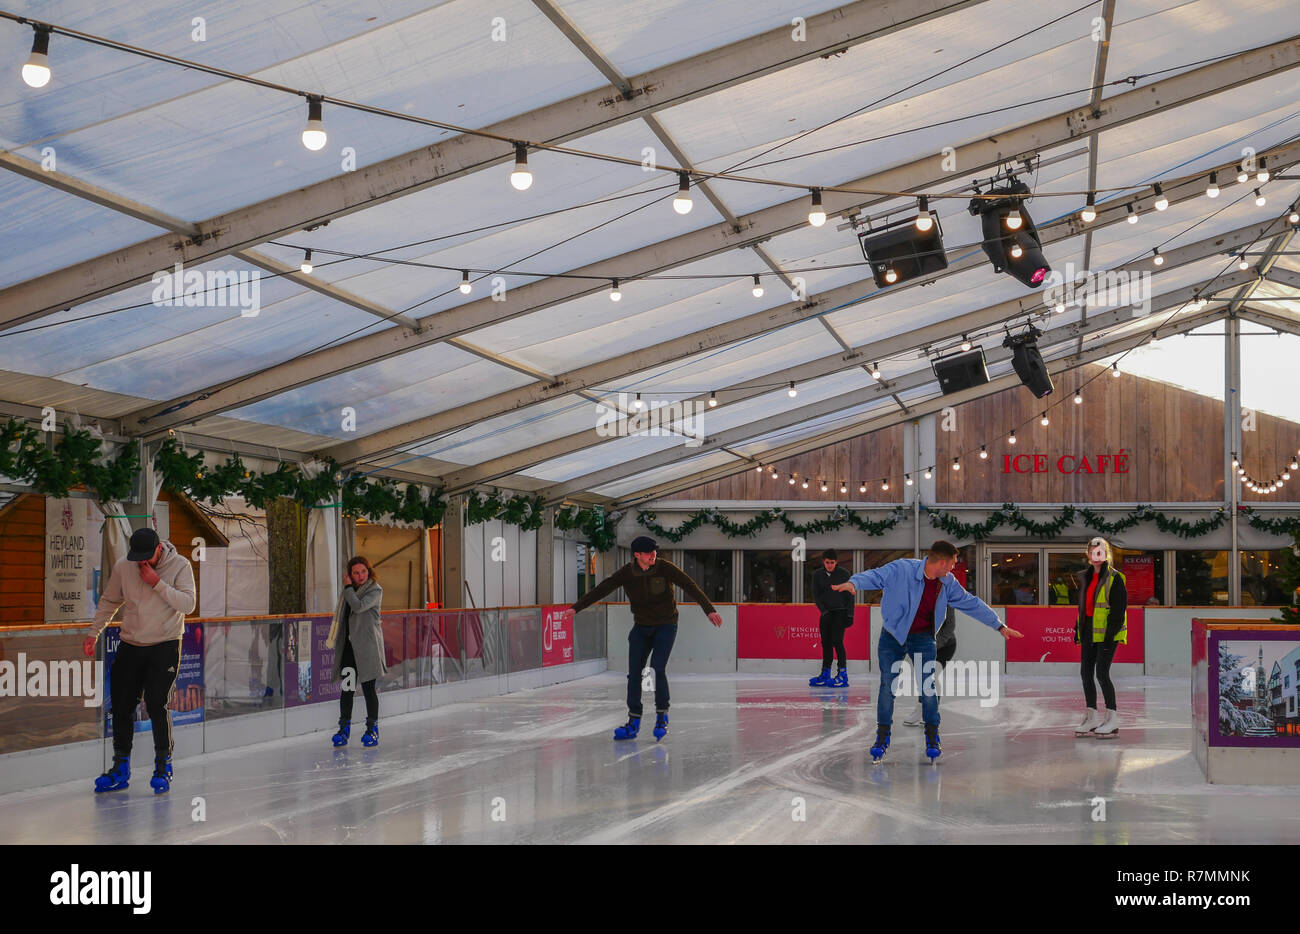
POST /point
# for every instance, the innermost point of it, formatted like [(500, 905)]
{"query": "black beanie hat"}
[(643, 544)]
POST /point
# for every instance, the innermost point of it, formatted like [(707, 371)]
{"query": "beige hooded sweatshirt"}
[(151, 614)]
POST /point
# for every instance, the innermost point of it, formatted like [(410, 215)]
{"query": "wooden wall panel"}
[(22, 561)]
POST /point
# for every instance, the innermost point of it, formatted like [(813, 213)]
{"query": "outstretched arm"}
[(605, 587), (962, 599), (870, 579)]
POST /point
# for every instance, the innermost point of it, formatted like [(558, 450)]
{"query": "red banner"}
[(1139, 578), (557, 635), (790, 630), (1049, 635)]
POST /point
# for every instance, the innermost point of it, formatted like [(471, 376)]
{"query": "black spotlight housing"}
[(956, 372), (906, 251), (1000, 241), (1028, 362)]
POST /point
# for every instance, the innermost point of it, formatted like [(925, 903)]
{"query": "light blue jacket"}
[(903, 583)]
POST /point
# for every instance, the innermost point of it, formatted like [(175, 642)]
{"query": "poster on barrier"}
[(557, 635), (186, 704), (1252, 688), (792, 631), (308, 664), (1049, 635)]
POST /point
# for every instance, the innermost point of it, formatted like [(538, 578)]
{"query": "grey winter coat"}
[(357, 620)]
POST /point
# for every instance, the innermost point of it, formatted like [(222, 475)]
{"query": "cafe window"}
[(1261, 579), (877, 559), (768, 577), (1015, 577), (712, 571), (1201, 578)]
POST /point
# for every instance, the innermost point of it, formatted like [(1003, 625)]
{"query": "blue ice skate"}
[(630, 730), (117, 777), (161, 783), (932, 743), (841, 679), (661, 726), (823, 680), (341, 737), (882, 743), (371, 736)]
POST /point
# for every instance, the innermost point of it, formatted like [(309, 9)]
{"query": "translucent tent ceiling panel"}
[(155, 154), (619, 451), (638, 37), (44, 229), (385, 394), (1160, 38), (514, 431), (1282, 300), (129, 321), (651, 478), (457, 216)]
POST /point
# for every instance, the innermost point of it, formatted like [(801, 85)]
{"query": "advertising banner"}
[(557, 635), (187, 699), (791, 630), (1252, 688), (308, 664), (1140, 578), (1049, 635), (71, 554)]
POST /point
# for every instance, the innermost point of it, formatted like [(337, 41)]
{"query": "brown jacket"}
[(649, 592)]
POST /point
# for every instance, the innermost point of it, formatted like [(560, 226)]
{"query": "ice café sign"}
[(1066, 463)]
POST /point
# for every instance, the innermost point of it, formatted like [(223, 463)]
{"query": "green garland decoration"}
[(842, 516), (73, 459), (593, 522), (1281, 525), (1010, 514), (527, 512)]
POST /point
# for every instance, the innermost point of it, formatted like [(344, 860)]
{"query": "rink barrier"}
[(260, 678)]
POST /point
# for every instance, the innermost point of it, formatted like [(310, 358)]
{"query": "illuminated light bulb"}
[(1159, 260), (313, 137), (759, 468), (758, 287), (1234, 462), (638, 403), (908, 479), (844, 487), (1243, 265), (1132, 215), (521, 178), (816, 213), (1114, 369), (614, 294), (1089, 212), (984, 454), (1263, 174), (1295, 465), (1294, 216), (1044, 420), (1260, 200), (1014, 220), (928, 473), (805, 484), (862, 487), (306, 265), (36, 70), (713, 403), (1017, 251), (1286, 475), (924, 221), (1161, 202), (792, 392), (1212, 189), (965, 343), (682, 204), (1078, 398), (1242, 174), (875, 371), (1060, 307), (465, 285), (891, 275), (823, 485), (1011, 438), (792, 479), (956, 465)]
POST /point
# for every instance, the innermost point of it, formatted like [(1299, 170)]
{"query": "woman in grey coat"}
[(358, 639)]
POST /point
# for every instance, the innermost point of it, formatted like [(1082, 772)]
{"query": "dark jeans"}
[(367, 688), (832, 633), (151, 670), (890, 654), (1096, 657), (655, 643)]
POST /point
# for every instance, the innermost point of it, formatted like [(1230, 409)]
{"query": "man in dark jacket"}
[(837, 615), (648, 584)]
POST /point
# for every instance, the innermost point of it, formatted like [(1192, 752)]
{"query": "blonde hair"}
[(1093, 543)]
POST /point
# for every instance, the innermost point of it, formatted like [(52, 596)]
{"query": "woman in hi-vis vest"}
[(1101, 626)]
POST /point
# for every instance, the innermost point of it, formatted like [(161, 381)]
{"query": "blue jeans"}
[(655, 643), (889, 653)]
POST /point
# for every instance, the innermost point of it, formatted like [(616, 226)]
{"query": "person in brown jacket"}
[(154, 587), (648, 584)]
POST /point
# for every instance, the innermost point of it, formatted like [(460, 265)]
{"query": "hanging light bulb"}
[(907, 478), (929, 472), (891, 275), (1016, 251), (638, 403), (816, 213), (875, 371), (1014, 219), (1078, 398), (1295, 465), (1044, 420), (1011, 438), (792, 479), (1243, 264), (1089, 212), (1234, 460), (884, 486), (759, 468), (713, 403), (306, 265), (956, 465), (1212, 189), (758, 287), (965, 343), (313, 136), (1242, 174), (923, 219), (36, 70), (1159, 260), (1060, 307), (1114, 369), (614, 294), (823, 483), (1161, 202), (1263, 174), (805, 484), (1294, 216), (984, 454), (465, 285), (682, 204), (521, 178), (1260, 200), (1132, 215), (844, 487)]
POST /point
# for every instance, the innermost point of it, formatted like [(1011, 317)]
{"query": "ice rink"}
[(743, 753)]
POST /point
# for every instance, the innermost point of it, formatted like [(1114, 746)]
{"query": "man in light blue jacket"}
[(915, 593)]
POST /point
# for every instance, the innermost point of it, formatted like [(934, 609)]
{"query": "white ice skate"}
[(1090, 723), (1109, 728)]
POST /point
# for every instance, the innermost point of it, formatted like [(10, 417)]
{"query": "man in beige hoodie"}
[(154, 587)]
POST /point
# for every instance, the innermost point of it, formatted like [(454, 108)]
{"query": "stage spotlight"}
[(1028, 362), (899, 251), (1018, 250)]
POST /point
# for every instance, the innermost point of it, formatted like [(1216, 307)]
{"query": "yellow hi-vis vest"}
[(1101, 611), (1061, 592)]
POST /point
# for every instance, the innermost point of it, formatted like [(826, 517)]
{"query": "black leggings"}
[(1096, 657), (832, 632), (149, 670), (367, 688)]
